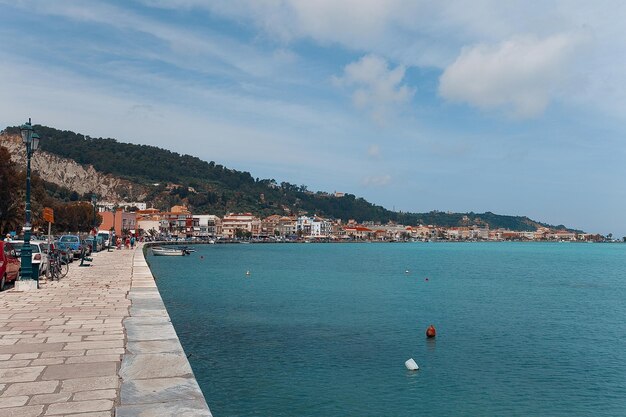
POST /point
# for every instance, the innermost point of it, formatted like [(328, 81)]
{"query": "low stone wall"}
[(157, 379)]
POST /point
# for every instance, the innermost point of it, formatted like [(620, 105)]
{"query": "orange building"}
[(119, 221)]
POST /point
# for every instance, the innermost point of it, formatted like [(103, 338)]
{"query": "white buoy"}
[(247, 272), (411, 365)]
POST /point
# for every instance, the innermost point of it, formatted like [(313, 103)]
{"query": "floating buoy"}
[(411, 365), (426, 279), (201, 257), (247, 272), (431, 332), (406, 272)]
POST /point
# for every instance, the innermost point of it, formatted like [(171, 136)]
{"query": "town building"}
[(120, 221), (207, 226), (234, 225)]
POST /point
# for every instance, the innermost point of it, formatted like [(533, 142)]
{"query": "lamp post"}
[(31, 140)]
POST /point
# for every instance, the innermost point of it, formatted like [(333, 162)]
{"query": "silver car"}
[(39, 256)]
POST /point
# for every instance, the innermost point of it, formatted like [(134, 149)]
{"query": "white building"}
[(207, 225), (313, 227)]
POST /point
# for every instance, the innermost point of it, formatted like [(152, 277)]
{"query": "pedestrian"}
[(119, 243), (127, 243), (132, 242), (8, 238)]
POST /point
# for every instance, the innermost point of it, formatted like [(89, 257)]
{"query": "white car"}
[(39, 256)]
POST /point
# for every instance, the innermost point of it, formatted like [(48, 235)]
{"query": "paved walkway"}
[(98, 343)]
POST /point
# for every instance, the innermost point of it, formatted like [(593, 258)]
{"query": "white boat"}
[(159, 251)]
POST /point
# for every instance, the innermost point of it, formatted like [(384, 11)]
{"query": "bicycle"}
[(59, 266)]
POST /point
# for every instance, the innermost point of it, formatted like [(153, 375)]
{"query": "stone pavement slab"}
[(97, 343)]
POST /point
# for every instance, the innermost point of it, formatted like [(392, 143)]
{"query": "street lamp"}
[(31, 140)]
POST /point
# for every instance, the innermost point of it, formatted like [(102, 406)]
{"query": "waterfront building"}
[(177, 222), (286, 226), (243, 222), (313, 227), (207, 226), (269, 225), (303, 226), (358, 232)]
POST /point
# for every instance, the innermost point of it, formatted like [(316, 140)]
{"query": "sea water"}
[(523, 329)]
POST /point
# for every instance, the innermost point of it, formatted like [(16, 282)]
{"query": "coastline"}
[(156, 376)]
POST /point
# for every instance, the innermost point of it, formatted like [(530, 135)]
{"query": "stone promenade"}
[(97, 343)]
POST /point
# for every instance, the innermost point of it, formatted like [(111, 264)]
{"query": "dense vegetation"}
[(210, 187)]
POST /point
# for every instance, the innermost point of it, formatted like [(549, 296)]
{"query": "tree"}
[(11, 197), (73, 217)]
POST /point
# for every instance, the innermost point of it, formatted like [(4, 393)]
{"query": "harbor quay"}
[(97, 343)]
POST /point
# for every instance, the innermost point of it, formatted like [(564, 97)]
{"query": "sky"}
[(515, 107)]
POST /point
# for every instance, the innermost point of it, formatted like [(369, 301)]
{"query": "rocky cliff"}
[(69, 174)]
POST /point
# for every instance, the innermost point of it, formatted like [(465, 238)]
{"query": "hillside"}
[(163, 178)]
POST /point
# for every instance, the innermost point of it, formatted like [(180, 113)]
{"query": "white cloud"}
[(521, 74), (432, 34), (377, 88), (377, 180)]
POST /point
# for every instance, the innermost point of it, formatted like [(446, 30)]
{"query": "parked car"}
[(71, 244), (9, 264), (99, 243), (39, 254)]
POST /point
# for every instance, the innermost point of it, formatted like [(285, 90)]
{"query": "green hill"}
[(212, 188)]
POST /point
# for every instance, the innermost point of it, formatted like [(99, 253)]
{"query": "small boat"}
[(159, 251)]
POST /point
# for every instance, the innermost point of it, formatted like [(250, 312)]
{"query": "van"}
[(106, 237)]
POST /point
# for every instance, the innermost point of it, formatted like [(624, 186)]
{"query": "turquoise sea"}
[(523, 329)]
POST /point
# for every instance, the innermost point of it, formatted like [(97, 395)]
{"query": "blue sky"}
[(512, 107)]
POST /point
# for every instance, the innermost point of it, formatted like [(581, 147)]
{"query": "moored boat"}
[(160, 251)]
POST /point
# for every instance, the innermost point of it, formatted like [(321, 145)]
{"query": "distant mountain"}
[(164, 178)]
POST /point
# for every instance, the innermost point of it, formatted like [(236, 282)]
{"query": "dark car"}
[(95, 243), (9, 264)]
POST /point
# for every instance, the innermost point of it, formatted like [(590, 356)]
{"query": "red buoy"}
[(431, 332)]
